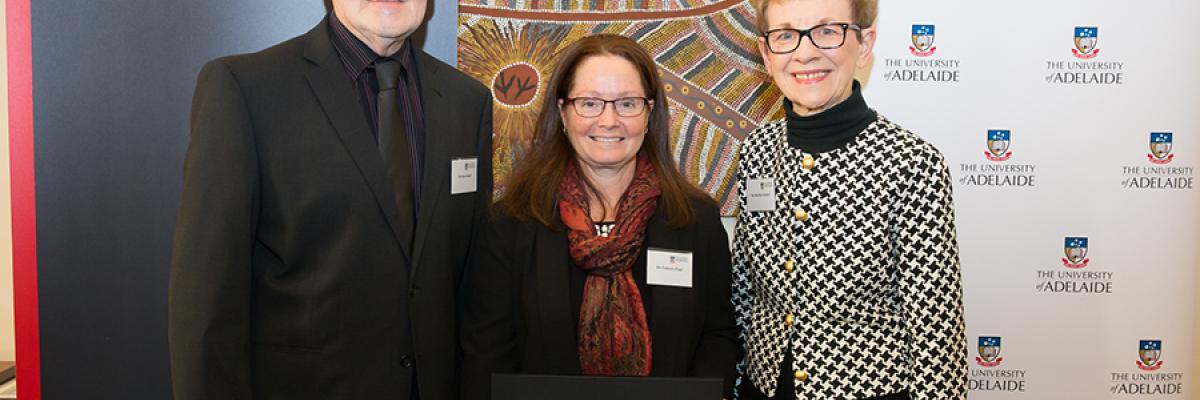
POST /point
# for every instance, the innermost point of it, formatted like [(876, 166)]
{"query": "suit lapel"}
[(671, 315), (557, 327), (437, 140), (338, 99)]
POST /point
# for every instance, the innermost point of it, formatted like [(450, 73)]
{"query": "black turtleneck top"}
[(831, 129)]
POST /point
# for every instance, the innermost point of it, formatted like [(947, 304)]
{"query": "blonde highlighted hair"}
[(863, 13)]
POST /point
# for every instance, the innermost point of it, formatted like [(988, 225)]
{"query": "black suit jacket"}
[(288, 280), (517, 316)]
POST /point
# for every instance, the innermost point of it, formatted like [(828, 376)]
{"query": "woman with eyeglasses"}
[(601, 259), (847, 282)]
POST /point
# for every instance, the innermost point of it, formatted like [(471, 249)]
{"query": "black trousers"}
[(785, 387)]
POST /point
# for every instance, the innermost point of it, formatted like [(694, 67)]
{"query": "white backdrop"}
[(1078, 168)]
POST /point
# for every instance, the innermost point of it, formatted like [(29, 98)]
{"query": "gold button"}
[(801, 376), (808, 162), (789, 265), (789, 319), (801, 215)]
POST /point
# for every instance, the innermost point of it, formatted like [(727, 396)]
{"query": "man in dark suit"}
[(332, 187)]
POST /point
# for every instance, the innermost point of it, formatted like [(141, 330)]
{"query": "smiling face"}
[(607, 141), (381, 24), (815, 79)]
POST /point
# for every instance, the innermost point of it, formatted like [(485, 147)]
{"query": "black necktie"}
[(393, 143)]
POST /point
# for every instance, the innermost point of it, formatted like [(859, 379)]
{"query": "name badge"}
[(462, 175), (669, 267), (760, 194)]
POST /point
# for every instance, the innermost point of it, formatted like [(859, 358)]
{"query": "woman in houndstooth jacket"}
[(846, 273)]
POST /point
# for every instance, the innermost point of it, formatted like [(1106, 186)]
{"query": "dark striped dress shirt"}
[(358, 59)]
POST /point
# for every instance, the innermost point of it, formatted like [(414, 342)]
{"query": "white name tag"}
[(462, 175), (760, 194), (669, 267)]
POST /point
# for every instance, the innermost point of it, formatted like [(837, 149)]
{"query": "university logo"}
[(989, 351), (1085, 42), (1160, 148), (1076, 249), (1149, 354), (997, 145), (922, 41)]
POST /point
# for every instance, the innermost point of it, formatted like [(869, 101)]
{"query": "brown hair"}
[(863, 13), (532, 189)]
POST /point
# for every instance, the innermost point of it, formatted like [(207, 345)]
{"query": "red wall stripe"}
[(24, 216)]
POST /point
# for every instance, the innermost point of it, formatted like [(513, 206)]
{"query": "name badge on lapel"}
[(760, 194), (462, 175), (669, 267)]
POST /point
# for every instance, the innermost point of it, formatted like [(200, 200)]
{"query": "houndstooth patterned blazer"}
[(855, 271)]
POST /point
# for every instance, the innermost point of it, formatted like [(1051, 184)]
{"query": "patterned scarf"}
[(614, 338)]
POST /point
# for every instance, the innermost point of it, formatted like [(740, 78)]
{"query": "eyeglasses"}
[(826, 36), (589, 107)]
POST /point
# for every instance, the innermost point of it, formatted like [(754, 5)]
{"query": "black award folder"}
[(556, 387)]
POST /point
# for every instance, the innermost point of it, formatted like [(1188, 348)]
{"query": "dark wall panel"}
[(112, 91)]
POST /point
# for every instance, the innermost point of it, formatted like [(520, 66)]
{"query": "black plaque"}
[(556, 387)]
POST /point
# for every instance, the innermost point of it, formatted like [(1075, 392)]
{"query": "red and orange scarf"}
[(614, 337)]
